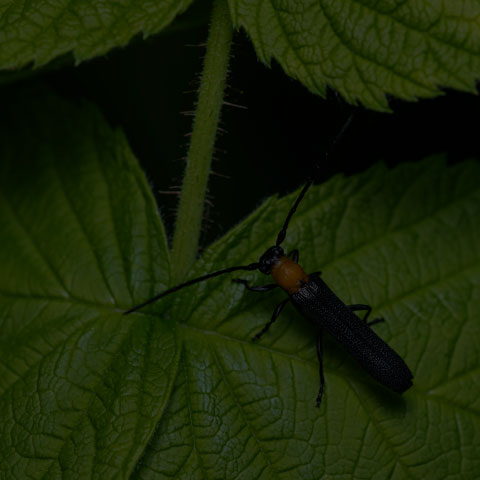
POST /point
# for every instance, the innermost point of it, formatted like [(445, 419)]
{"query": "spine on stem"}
[(198, 166)]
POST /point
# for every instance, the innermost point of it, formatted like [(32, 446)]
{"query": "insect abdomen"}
[(323, 308)]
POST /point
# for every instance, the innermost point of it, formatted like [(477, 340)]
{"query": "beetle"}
[(318, 303)]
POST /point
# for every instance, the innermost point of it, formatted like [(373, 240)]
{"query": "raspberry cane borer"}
[(317, 302)]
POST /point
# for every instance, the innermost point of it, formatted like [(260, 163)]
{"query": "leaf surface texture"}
[(178, 390), (368, 49)]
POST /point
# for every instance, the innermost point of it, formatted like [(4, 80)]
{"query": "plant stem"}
[(207, 115)]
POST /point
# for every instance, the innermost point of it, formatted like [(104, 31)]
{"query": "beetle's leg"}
[(294, 255), (315, 273), (368, 308), (260, 288), (320, 363), (275, 315)]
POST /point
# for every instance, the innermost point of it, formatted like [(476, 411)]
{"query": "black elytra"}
[(318, 303), (324, 309)]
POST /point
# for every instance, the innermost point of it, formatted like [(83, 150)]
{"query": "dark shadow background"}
[(267, 148)]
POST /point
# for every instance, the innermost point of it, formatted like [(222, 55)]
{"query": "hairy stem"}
[(207, 115)]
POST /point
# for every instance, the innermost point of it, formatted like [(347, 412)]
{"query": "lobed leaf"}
[(38, 31), (81, 385), (87, 392), (368, 49), (405, 241)]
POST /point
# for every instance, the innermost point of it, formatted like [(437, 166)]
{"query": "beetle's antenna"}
[(252, 266), (283, 232)]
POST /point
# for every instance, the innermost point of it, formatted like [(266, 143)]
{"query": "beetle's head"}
[(269, 259)]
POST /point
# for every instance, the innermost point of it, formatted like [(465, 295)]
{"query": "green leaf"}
[(407, 242), (87, 392), (38, 31), (81, 385), (368, 49)]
